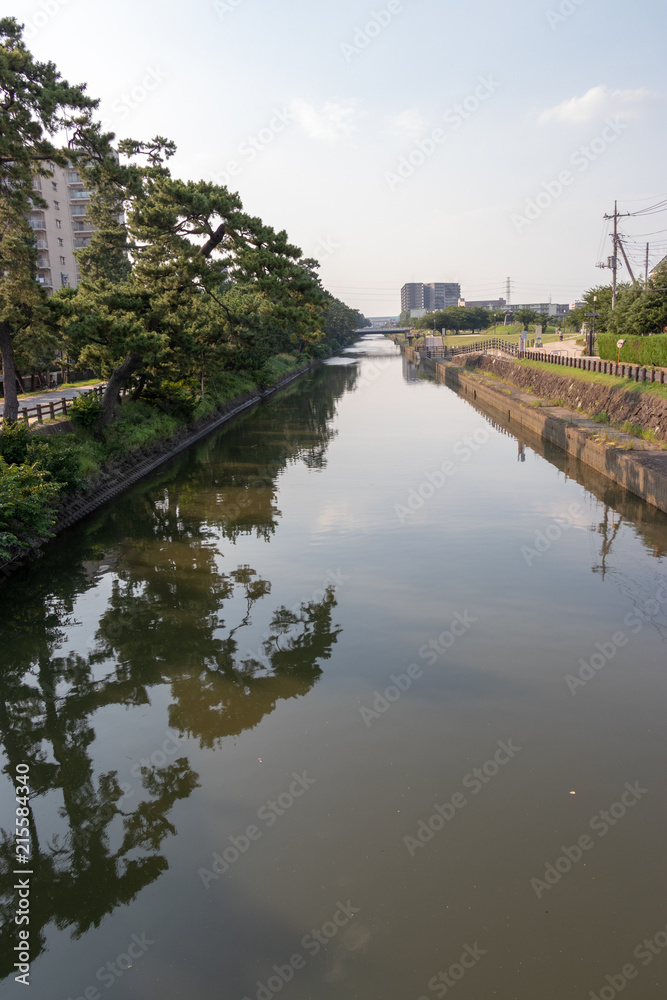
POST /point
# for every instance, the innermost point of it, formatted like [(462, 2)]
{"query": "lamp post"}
[(591, 332)]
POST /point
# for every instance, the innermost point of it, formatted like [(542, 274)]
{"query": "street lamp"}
[(591, 331)]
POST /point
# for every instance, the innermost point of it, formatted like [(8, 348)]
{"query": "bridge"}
[(379, 329)]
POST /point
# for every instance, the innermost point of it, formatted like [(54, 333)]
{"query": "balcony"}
[(37, 184), (44, 279), (79, 195), (80, 244), (82, 227), (73, 177), (78, 210), (37, 223), (41, 244)]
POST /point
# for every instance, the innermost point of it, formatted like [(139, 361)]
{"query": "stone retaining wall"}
[(640, 408)]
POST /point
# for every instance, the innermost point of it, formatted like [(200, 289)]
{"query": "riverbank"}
[(119, 474), (632, 463)]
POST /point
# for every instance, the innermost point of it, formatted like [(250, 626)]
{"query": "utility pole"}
[(612, 261)]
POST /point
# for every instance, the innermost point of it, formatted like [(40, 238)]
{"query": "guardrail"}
[(636, 373)]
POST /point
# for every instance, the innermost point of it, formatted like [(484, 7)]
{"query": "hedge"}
[(636, 350)]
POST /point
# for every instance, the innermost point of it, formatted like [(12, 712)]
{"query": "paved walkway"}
[(51, 396)]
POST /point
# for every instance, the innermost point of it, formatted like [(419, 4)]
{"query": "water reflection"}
[(172, 618)]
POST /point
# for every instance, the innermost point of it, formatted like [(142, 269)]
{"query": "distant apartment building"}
[(60, 228), (441, 295), (484, 303), (412, 296), (416, 296), (553, 309)]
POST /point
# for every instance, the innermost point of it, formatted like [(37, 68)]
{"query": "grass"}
[(609, 381), (509, 333)]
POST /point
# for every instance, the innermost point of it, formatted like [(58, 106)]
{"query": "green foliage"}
[(602, 417), (636, 350), (26, 506), (14, 442), (455, 318), (177, 399), (60, 457), (85, 412), (139, 425)]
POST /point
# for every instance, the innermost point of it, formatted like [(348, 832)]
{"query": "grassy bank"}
[(39, 472), (509, 333), (608, 381)]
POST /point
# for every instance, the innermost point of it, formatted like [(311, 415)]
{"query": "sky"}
[(397, 141)]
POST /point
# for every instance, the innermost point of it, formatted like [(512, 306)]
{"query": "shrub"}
[(636, 350), (61, 459), (85, 411), (14, 443), (176, 399), (26, 506)]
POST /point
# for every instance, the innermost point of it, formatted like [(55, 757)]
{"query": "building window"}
[(56, 205), (54, 185), (62, 260), (59, 224), (64, 279), (60, 242)]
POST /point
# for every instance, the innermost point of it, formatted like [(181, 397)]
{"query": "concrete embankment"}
[(626, 460)]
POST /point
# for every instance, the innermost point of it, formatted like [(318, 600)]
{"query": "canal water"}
[(363, 697)]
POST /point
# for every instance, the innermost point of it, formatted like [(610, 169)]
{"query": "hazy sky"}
[(397, 141)]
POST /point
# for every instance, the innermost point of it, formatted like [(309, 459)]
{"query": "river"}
[(362, 697)]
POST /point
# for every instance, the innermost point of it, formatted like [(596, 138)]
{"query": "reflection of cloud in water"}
[(333, 362)]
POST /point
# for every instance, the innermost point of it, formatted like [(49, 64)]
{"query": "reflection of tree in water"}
[(163, 624)]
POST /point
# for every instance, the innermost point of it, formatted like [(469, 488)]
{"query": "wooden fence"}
[(55, 408)]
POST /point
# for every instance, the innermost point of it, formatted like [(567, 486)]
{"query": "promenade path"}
[(51, 395)]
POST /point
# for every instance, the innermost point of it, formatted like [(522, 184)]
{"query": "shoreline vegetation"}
[(185, 301), (143, 438)]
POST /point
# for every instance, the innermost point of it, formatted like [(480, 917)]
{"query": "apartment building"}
[(60, 228), (417, 296)]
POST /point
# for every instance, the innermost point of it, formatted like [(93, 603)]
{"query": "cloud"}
[(334, 121), (598, 103), (409, 123)]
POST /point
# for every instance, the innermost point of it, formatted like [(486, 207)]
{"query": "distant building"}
[(484, 303), (60, 228), (380, 322), (412, 296), (432, 296), (556, 309), (441, 295)]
